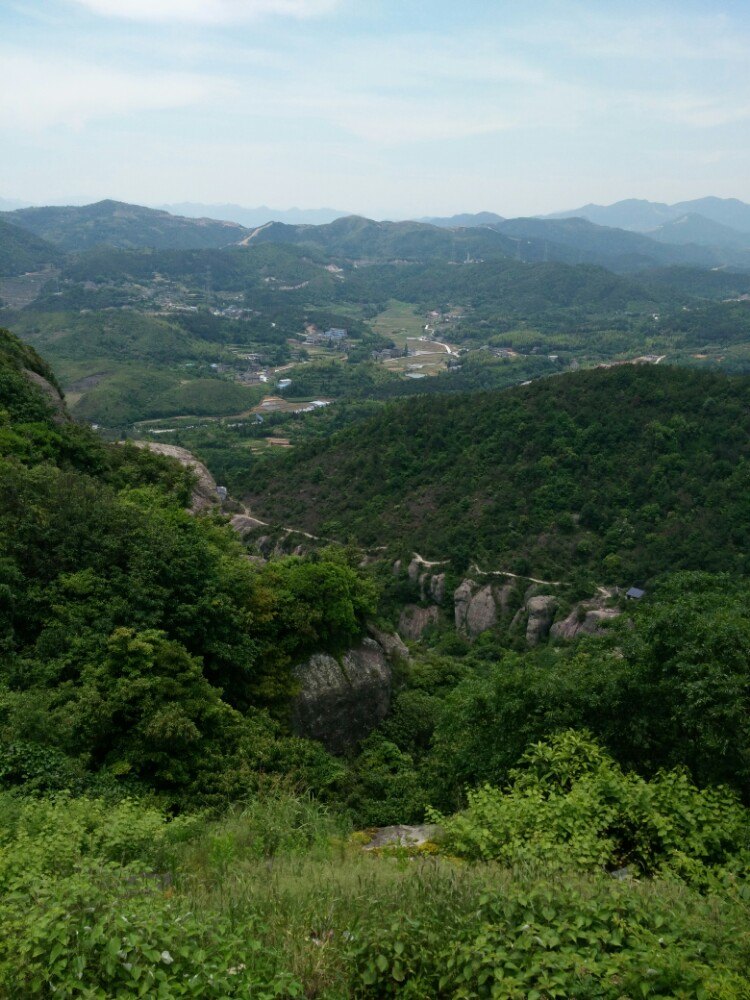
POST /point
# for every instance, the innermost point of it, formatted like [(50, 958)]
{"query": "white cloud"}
[(593, 33), (687, 109), (206, 11), (56, 92)]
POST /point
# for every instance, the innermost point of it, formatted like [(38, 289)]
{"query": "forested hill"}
[(136, 639), (22, 251), (572, 241), (117, 224), (621, 473)]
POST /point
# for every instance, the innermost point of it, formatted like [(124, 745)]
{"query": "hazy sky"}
[(383, 107)]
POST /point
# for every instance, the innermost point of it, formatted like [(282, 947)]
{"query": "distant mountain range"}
[(466, 219), (115, 223), (570, 241), (253, 217), (644, 216), (688, 239), (722, 224)]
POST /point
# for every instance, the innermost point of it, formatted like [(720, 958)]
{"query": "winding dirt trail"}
[(516, 576)]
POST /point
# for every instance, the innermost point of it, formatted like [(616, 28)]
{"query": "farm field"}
[(399, 322)]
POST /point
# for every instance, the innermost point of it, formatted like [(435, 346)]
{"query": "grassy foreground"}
[(278, 899)]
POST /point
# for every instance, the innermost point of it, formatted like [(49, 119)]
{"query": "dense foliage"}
[(629, 472), (134, 635), (21, 251), (103, 899), (163, 834)]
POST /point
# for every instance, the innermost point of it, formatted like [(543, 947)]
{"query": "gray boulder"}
[(541, 611), (204, 493), (584, 619), (481, 614), (478, 608), (414, 621), (340, 701), (461, 600), (392, 644), (437, 588), (403, 836)]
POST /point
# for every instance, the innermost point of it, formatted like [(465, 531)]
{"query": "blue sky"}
[(389, 109)]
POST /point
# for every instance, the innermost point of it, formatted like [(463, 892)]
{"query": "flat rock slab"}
[(403, 836)]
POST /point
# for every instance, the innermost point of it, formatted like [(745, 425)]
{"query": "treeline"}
[(622, 474), (164, 834), (139, 645)]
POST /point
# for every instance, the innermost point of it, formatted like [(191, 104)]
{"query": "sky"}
[(387, 108)]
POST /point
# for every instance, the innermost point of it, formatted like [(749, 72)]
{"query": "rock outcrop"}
[(403, 836), (204, 493), (244, 524), (461, 600), (392, 644), (478, 607), (585, 619), (50, 393), (436, 588), (541, 611), (414, 621), (341, 700)]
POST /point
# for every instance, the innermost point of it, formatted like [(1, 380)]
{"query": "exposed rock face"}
[(392, 644), (437, 588), (339, 703), (481, 614), (204, 492), (461, 601), (478, 608), (415, 620), (415, 568), (584, 619), (50, 393), (541, 612), (243, 524)]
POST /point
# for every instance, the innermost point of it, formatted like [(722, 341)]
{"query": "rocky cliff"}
[(205, 493), (340, 700)]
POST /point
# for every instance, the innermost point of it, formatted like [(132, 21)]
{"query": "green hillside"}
[(357, 238), (164, 833), (111, 590), (511, 288), (623, 473), (627, 251), (22, 251), (121, 367), (572, 241), (118, 224)]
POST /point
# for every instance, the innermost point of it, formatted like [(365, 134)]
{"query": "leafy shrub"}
[(87, 908), (531, 939), (570, 803)]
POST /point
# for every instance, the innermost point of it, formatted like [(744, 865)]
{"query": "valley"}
[(374, 610)]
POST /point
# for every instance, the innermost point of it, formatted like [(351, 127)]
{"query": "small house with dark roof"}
[(635, 594)]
